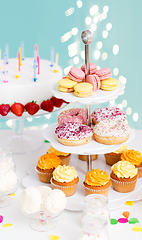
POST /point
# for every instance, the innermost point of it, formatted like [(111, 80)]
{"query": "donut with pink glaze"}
[(77, 115), (73, 134)]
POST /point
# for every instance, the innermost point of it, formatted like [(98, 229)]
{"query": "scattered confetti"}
[(12, 194), (1, 218), (137, 228), (133, 220), (122, 220), (113, 221), (8, 225), (126, 214), (129, 203), (46, 141), (52, 237)]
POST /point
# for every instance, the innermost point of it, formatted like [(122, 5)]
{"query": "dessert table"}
[(69, 222)]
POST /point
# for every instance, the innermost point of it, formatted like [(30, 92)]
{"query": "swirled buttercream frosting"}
[(58, 153), (97, 177), (64, 173), (132, 156), (124, 169), (48, 161)]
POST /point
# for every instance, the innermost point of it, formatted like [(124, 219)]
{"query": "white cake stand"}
[(25, 140)]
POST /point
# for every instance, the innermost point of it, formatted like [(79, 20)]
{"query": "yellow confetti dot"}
[(137, 228), (12, 194), (129, 203), (7, 225), (52, 237)]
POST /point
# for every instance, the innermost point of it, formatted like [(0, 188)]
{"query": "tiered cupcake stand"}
[(76, 202)]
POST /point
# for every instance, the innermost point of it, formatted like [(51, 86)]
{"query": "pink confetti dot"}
[(1, 218), (122, 220)]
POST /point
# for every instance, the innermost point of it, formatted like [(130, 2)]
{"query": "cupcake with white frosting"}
[(65, 178)]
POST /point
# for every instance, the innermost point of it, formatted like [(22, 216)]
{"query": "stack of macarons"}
[(74, 82), (107, 82), (92, 70)]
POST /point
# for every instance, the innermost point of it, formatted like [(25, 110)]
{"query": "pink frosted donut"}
[(77, 115), (103, 113), (73, 134), (111, 131)]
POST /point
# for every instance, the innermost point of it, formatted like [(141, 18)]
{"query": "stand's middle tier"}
[(90, 148), (98, 96)]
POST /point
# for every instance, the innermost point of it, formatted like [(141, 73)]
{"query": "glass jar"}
[(96, 204), (6, 157), (94, 227)]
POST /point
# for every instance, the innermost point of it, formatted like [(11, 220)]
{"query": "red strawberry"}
[(47, 105), (17, 109), (32, 107), (66, 102), (4, 109), (57, 102)]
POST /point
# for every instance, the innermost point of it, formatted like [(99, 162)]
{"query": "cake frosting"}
[(124, 169), (58, 153), (30, 200), (8, 179), (132, 156), (97, 177), (122, 149), (55, 202), (48, 161), (64, 173), (24, 89)]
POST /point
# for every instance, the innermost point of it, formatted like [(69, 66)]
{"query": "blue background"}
[(44, 22)]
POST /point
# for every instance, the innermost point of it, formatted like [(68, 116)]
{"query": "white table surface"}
[(69, 222)]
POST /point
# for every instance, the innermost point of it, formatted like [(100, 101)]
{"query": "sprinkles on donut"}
[(77, 115), (73, 134)]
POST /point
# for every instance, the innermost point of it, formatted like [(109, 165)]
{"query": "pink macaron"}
[(93, 68), (94, 80), (76, 74), (104, 73)]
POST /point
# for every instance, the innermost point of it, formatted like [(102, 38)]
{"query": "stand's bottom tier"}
[(76, 202)]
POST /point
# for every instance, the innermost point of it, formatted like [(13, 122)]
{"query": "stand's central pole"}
[(87, 38)]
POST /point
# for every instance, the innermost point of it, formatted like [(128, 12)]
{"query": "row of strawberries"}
[(31, 107)]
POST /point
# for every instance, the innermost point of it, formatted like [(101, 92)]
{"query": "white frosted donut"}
[(73, 134), (103, 113), (111, 131), (77, 115)]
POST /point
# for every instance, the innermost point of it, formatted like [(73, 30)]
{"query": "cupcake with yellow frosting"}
[(124, 176), (65, 157), (46, 165), (135, 158), (114, 157), (97, 181), (65, 178)]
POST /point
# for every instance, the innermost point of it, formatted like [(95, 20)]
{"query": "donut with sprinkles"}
[(111, 131)]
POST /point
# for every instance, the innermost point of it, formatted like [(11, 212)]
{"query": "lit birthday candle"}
[(22, 50), (38, 65), (52, 57), (0, 58), (5, 80), (6, 52), (56, 63), (20, 56), (17, 68)]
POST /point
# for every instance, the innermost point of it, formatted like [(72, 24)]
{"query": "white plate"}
[(92, 147), (98, 96), (76, 202)]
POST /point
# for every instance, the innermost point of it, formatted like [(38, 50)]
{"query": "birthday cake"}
[(28, 86)]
